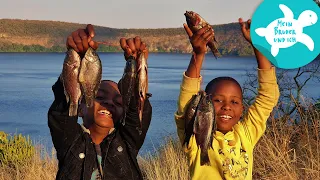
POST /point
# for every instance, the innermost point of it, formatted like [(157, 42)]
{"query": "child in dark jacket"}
[(102, 147)]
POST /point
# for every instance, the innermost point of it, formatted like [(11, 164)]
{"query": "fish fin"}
[(73, 109), (204, 158)]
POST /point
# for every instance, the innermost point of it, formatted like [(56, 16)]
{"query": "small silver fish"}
[(196, 22), (90, 75), (142, 80), (204, 127), (69, 77)]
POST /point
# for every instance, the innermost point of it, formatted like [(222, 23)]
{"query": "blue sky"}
[(128, 14)]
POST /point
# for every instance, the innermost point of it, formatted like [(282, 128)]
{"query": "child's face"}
[(107, 107), (227, 101)]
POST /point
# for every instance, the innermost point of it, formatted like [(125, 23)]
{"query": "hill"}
[(49, 36)]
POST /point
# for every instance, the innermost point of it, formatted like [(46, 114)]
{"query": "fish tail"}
[(141, 105), (204, 158), (213, 46), (89, 101), (140, 115), (73, 109)]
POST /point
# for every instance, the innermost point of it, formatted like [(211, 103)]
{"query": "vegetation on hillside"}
[(49, 36)]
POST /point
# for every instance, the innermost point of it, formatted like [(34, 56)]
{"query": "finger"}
[(123, 44), (77, 40), (94, 45), (143, 48), (127, 52), (188, 30), (207, 34), (71, 44), (240, 20), (84, 39), (137, 42), (201, 31), (209, 38), (90, 30), (242, 24), (249, 23), (131, 45)]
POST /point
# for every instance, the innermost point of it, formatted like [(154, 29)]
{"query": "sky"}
[(128, 14)]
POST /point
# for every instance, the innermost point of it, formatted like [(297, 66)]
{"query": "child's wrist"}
[(198, 53)]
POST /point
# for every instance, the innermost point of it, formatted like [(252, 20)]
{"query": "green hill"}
[(49, 36)]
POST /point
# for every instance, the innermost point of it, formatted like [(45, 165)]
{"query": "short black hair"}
[(215, 81)]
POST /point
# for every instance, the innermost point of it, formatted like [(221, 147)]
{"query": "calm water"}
[(26, 80)]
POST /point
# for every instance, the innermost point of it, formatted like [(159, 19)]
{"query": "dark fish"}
[(142, 79), (69, 77), (196, 22), (90, 75), (204, 127), (127, 84), (190, 114)]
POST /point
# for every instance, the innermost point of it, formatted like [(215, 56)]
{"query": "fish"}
[(69, 78), (196, 22), (142, 82), (204, 127), (189, 116), (128, 81), (90, 76)]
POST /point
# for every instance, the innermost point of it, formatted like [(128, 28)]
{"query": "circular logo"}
[(287, 32)]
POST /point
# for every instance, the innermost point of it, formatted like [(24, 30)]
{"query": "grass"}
[(286, 151)]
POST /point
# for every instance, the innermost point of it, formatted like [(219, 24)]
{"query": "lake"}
[(26, 80)]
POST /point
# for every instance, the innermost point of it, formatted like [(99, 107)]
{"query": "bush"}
[(15, 149)]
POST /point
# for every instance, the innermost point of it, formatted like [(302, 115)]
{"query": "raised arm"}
[(191, 78), (64, 128), (268, 92), (136, 124)]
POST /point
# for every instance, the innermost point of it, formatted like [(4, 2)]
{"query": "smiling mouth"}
[(105, 112), (225, 117)]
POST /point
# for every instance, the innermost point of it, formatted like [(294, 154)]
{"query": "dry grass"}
[(286, 151), (39, 168), (290, 150), (168, 162)]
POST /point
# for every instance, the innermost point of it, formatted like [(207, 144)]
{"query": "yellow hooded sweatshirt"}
[(232, 153)]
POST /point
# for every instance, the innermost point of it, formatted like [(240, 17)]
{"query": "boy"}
[(234, 140), (101, 148)]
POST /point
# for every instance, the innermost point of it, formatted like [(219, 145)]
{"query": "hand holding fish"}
[(81, 39), (135, 78), (133, 47), (200, 39), (245, 28)]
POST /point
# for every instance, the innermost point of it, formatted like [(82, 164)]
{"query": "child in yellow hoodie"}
[(232, 154)]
